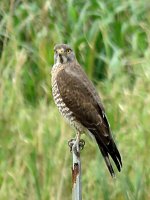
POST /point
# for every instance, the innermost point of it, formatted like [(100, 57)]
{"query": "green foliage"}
[(111, 41)]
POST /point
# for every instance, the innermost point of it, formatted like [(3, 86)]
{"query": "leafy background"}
[(111, 39)]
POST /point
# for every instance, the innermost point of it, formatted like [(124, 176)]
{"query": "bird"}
[(80, 104)]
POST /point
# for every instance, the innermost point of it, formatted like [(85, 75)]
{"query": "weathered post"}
[(76, 168)]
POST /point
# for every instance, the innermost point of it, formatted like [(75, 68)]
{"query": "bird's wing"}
[(81, 98)]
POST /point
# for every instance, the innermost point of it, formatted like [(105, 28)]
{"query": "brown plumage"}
[(80, 104)]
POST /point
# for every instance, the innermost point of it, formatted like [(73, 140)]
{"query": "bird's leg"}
[(76, 144), (77, 141)]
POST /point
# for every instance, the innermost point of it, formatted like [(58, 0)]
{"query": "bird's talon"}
[(81, 144), (71, 143)]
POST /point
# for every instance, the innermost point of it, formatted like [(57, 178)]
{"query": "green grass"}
[(111, 39)]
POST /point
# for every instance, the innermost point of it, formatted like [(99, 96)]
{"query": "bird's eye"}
[(55, 51), (68, 50)]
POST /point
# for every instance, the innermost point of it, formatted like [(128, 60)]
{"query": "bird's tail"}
[(108, 150)]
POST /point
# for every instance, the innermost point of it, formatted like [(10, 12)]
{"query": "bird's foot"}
[(71, 143), (81, 144), (75, 144)]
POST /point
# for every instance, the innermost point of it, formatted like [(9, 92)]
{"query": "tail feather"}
[(111, 150), (107, 161), (116, 153)]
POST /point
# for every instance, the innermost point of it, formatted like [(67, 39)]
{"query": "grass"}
[(111, 40)]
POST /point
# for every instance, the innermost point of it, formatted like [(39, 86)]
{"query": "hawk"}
[(79, 103)]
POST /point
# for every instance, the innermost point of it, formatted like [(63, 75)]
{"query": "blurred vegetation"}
[(111, 39)]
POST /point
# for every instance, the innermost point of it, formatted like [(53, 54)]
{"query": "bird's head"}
[(63, 53)]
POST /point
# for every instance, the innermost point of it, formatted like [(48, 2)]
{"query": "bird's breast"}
[(64, 110)]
